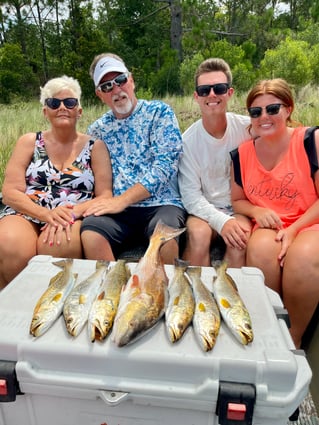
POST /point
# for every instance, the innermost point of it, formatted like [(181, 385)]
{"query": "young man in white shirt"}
[(204, 169)]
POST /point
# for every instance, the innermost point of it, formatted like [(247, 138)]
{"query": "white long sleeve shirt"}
[(204, 170)]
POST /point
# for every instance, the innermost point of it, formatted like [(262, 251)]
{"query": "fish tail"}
[(164, 233), (101, 263), (63, 263), (220, 265), (195, 271), (183, 264)]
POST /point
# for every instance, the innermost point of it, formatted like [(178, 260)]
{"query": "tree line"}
[(161, 41)]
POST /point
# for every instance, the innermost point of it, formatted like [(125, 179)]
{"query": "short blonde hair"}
[(55, 85)]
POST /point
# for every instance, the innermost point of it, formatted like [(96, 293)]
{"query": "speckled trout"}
[(50, 305), (78, 303), (181, 304), (104, 307), (206, 320), (231, 306), (144, 299)]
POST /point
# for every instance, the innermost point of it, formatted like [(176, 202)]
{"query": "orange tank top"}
[(288, 188)]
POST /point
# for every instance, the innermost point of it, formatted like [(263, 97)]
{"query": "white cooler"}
[(59, 380)]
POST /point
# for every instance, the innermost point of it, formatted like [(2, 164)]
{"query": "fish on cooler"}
[(206, 320), (181, 304), (104, 307), (144, 298), (50, 305), (78, 303), (231, 306)]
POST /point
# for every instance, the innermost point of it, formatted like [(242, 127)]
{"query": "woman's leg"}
[(68, 248), (18, 242), (300, 282)]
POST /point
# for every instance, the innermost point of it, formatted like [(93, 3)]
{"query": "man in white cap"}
[(145, 146)]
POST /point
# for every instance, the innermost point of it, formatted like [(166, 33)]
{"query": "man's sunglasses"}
[(272, 109), (204, 90), (68, 102), (107, 86)]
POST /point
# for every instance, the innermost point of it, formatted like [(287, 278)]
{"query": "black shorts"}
[(134, 226)]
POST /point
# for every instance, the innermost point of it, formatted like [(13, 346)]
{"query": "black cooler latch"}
[(235, 403), (9, 385)]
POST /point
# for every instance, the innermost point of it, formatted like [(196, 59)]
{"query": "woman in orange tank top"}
[(275, 182)]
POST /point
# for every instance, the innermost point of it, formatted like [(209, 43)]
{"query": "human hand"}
[(267, 218), (61, 215), (235, 234), (100, 206), (286, 237), (52, 234)]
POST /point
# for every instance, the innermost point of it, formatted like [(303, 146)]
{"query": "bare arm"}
[(14, 185)]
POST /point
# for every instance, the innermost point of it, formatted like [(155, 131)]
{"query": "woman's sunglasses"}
[(107, 86), (272, 109), (204, 90), (68, 102)]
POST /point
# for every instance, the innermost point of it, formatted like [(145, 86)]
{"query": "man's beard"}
[(126, 108)]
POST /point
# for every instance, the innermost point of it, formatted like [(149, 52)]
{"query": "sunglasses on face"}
[(273, 109), (107, 86), (68, 102), (204, 90)]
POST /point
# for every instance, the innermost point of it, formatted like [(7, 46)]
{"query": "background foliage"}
[(162, 42)]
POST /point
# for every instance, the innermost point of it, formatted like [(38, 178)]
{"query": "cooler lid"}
[(267, 362)]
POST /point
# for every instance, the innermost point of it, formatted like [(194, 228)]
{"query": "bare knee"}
[(96, 247)]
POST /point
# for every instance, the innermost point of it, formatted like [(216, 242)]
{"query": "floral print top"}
[(144, 148), (49, 187)]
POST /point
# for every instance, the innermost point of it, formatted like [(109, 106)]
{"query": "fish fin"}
[(63, 263), (181, 263), (176, 300), (55, 278), (101, 263), (57, 297), (135, 280), (232, 282), (225, 303), (201, 307), (82, 299), (194, 271), (101, 296), (165, 233)]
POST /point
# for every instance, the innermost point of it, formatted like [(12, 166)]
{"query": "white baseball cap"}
[(106, 65)]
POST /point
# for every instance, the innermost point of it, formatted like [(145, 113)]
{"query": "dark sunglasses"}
[(272, 109), (107, 86), (204, 90), (68, 102)]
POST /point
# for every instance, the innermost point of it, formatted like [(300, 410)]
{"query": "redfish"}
[(144, 298)]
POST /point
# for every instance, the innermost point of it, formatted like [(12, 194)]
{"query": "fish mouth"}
[(35, 329), (246, 337), (175, 333), (99, 331)]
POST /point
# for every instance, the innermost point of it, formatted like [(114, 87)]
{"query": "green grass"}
[(21, 118)]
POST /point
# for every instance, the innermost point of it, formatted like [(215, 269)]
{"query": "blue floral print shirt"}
[(144, 148)]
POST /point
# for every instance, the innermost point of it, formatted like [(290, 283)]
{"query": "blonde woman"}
[(50, 180)]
